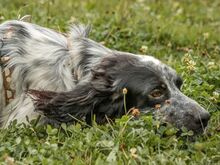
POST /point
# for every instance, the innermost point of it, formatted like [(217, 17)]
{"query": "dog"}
[(69, 77)]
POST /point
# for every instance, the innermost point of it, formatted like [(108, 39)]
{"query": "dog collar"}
[(6, 76)]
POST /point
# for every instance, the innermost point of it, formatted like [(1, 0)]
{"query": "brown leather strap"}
[(6, 75)]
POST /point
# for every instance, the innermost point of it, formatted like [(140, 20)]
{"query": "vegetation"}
[(183, 34)]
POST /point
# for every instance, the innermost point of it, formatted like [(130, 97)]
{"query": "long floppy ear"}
[(81, 103), (65, 106), (97, 96)]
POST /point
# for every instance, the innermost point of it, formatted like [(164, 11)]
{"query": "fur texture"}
[(71, 77)]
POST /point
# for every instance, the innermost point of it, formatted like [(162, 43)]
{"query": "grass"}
[(183, 34)]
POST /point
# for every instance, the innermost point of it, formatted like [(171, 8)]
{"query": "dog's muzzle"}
[(185, 112)]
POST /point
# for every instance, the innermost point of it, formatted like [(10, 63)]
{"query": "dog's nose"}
[(203, 118)]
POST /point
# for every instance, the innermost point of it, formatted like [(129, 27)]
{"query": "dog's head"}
[(151, 86)]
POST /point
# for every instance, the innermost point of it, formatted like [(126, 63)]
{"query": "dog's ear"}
[(65, 106), (79, 104), (105, 80), (96, 96)]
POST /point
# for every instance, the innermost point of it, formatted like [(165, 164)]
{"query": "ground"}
[(183, 34)]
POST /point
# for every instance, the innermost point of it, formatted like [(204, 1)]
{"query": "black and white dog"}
[(67, 77)]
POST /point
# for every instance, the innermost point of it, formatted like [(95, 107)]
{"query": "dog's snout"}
[(203, 118)]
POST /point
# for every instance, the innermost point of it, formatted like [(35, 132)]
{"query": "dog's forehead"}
[(162, 70)]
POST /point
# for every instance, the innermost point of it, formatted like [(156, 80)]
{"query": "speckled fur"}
[(75, 75)]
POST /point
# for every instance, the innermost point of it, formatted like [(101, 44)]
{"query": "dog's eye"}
[(156, 93)]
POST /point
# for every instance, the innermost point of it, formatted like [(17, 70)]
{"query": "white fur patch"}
[(20, 109), (39, 57), (146, 58)]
